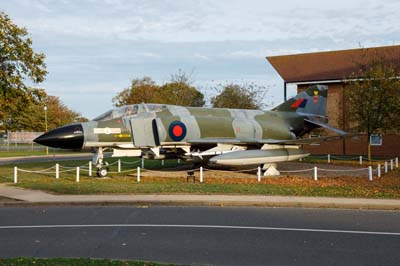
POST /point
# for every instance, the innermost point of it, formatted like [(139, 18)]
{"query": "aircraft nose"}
[(66, 137)]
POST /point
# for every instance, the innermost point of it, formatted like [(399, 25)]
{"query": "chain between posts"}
[(393, 164), (298, 171), (343, 170), (225, 171)]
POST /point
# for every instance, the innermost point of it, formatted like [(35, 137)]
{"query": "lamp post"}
[(45, 122)]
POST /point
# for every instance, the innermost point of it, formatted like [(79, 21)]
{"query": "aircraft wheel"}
[(102, 172)]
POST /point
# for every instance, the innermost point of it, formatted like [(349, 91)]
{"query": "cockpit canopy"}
[(130, 110)]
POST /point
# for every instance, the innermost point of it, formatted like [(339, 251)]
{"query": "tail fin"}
[(311, 102)]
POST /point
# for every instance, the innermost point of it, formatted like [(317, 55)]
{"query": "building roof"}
[(332, 65)]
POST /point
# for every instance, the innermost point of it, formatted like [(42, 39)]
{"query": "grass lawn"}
[(74, 262), (215, 182)]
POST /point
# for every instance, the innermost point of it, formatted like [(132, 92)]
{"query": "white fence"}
[(20, 140), (58, 169), (361, 159)]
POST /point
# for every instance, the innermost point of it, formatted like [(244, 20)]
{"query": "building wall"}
[(336, 110), (358, 146)]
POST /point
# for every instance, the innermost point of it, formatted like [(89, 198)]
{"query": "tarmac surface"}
[(47, 158), (151, 227), (204, 235)]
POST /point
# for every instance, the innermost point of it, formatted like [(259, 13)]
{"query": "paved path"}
[(40, 197)]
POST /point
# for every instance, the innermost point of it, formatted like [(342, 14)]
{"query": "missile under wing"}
[(202, 135)]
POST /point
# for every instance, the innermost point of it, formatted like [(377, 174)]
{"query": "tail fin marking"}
[(312, 101)]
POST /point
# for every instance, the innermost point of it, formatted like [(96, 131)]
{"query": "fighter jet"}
[(219, 136)]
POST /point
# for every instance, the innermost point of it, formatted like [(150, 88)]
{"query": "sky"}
[(94, 48)]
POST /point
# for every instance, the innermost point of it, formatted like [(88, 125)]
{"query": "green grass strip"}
[(74, 262)]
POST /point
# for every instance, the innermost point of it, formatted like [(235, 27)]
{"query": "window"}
[(376, 140)]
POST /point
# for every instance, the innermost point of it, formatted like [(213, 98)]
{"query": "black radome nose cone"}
[(66, 137)]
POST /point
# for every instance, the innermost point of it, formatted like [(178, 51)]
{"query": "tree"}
[(17, 105), (33, 116), (58, 114), (373, 97), (177, 91), (142, 90), (238, 96), (181, 77), (19, 65)]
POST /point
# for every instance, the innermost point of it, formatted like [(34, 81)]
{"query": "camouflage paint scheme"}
[(209, 125)]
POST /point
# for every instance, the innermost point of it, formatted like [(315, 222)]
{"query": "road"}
[(204, 235)]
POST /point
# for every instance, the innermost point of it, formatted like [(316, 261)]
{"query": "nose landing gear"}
[(102, 170)]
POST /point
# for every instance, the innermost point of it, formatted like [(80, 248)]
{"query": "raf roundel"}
[(177, 131)]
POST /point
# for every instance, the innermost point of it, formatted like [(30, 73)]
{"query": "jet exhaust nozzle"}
[(67, 137)]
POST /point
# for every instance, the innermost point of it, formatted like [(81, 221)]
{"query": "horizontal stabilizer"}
[(323, 125)]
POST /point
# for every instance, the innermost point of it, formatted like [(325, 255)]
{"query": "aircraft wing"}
[(219, 140), (300, 141)]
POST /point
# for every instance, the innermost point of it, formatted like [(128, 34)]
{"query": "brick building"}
[(333, 69)]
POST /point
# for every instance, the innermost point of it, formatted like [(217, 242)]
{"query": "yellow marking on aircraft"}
[(122, 136)]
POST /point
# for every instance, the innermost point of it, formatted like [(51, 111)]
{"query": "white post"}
[(315, 173), (386, 167), (259, 174), (15, 175), (370, 173), (361, 160), (391, 165), (90, 168), (397, 162), (329, 158), (119, 165), (179, 160), (138, 174), (201, 174), (57, 171), (379, 170), (77, 173), (162, 162), (142, 162)]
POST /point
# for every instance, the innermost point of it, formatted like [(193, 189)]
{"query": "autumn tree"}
[(20, 66), (373, 96), (142, 90), (58, 114), (177, 91), (240, 96), (33, 117)]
